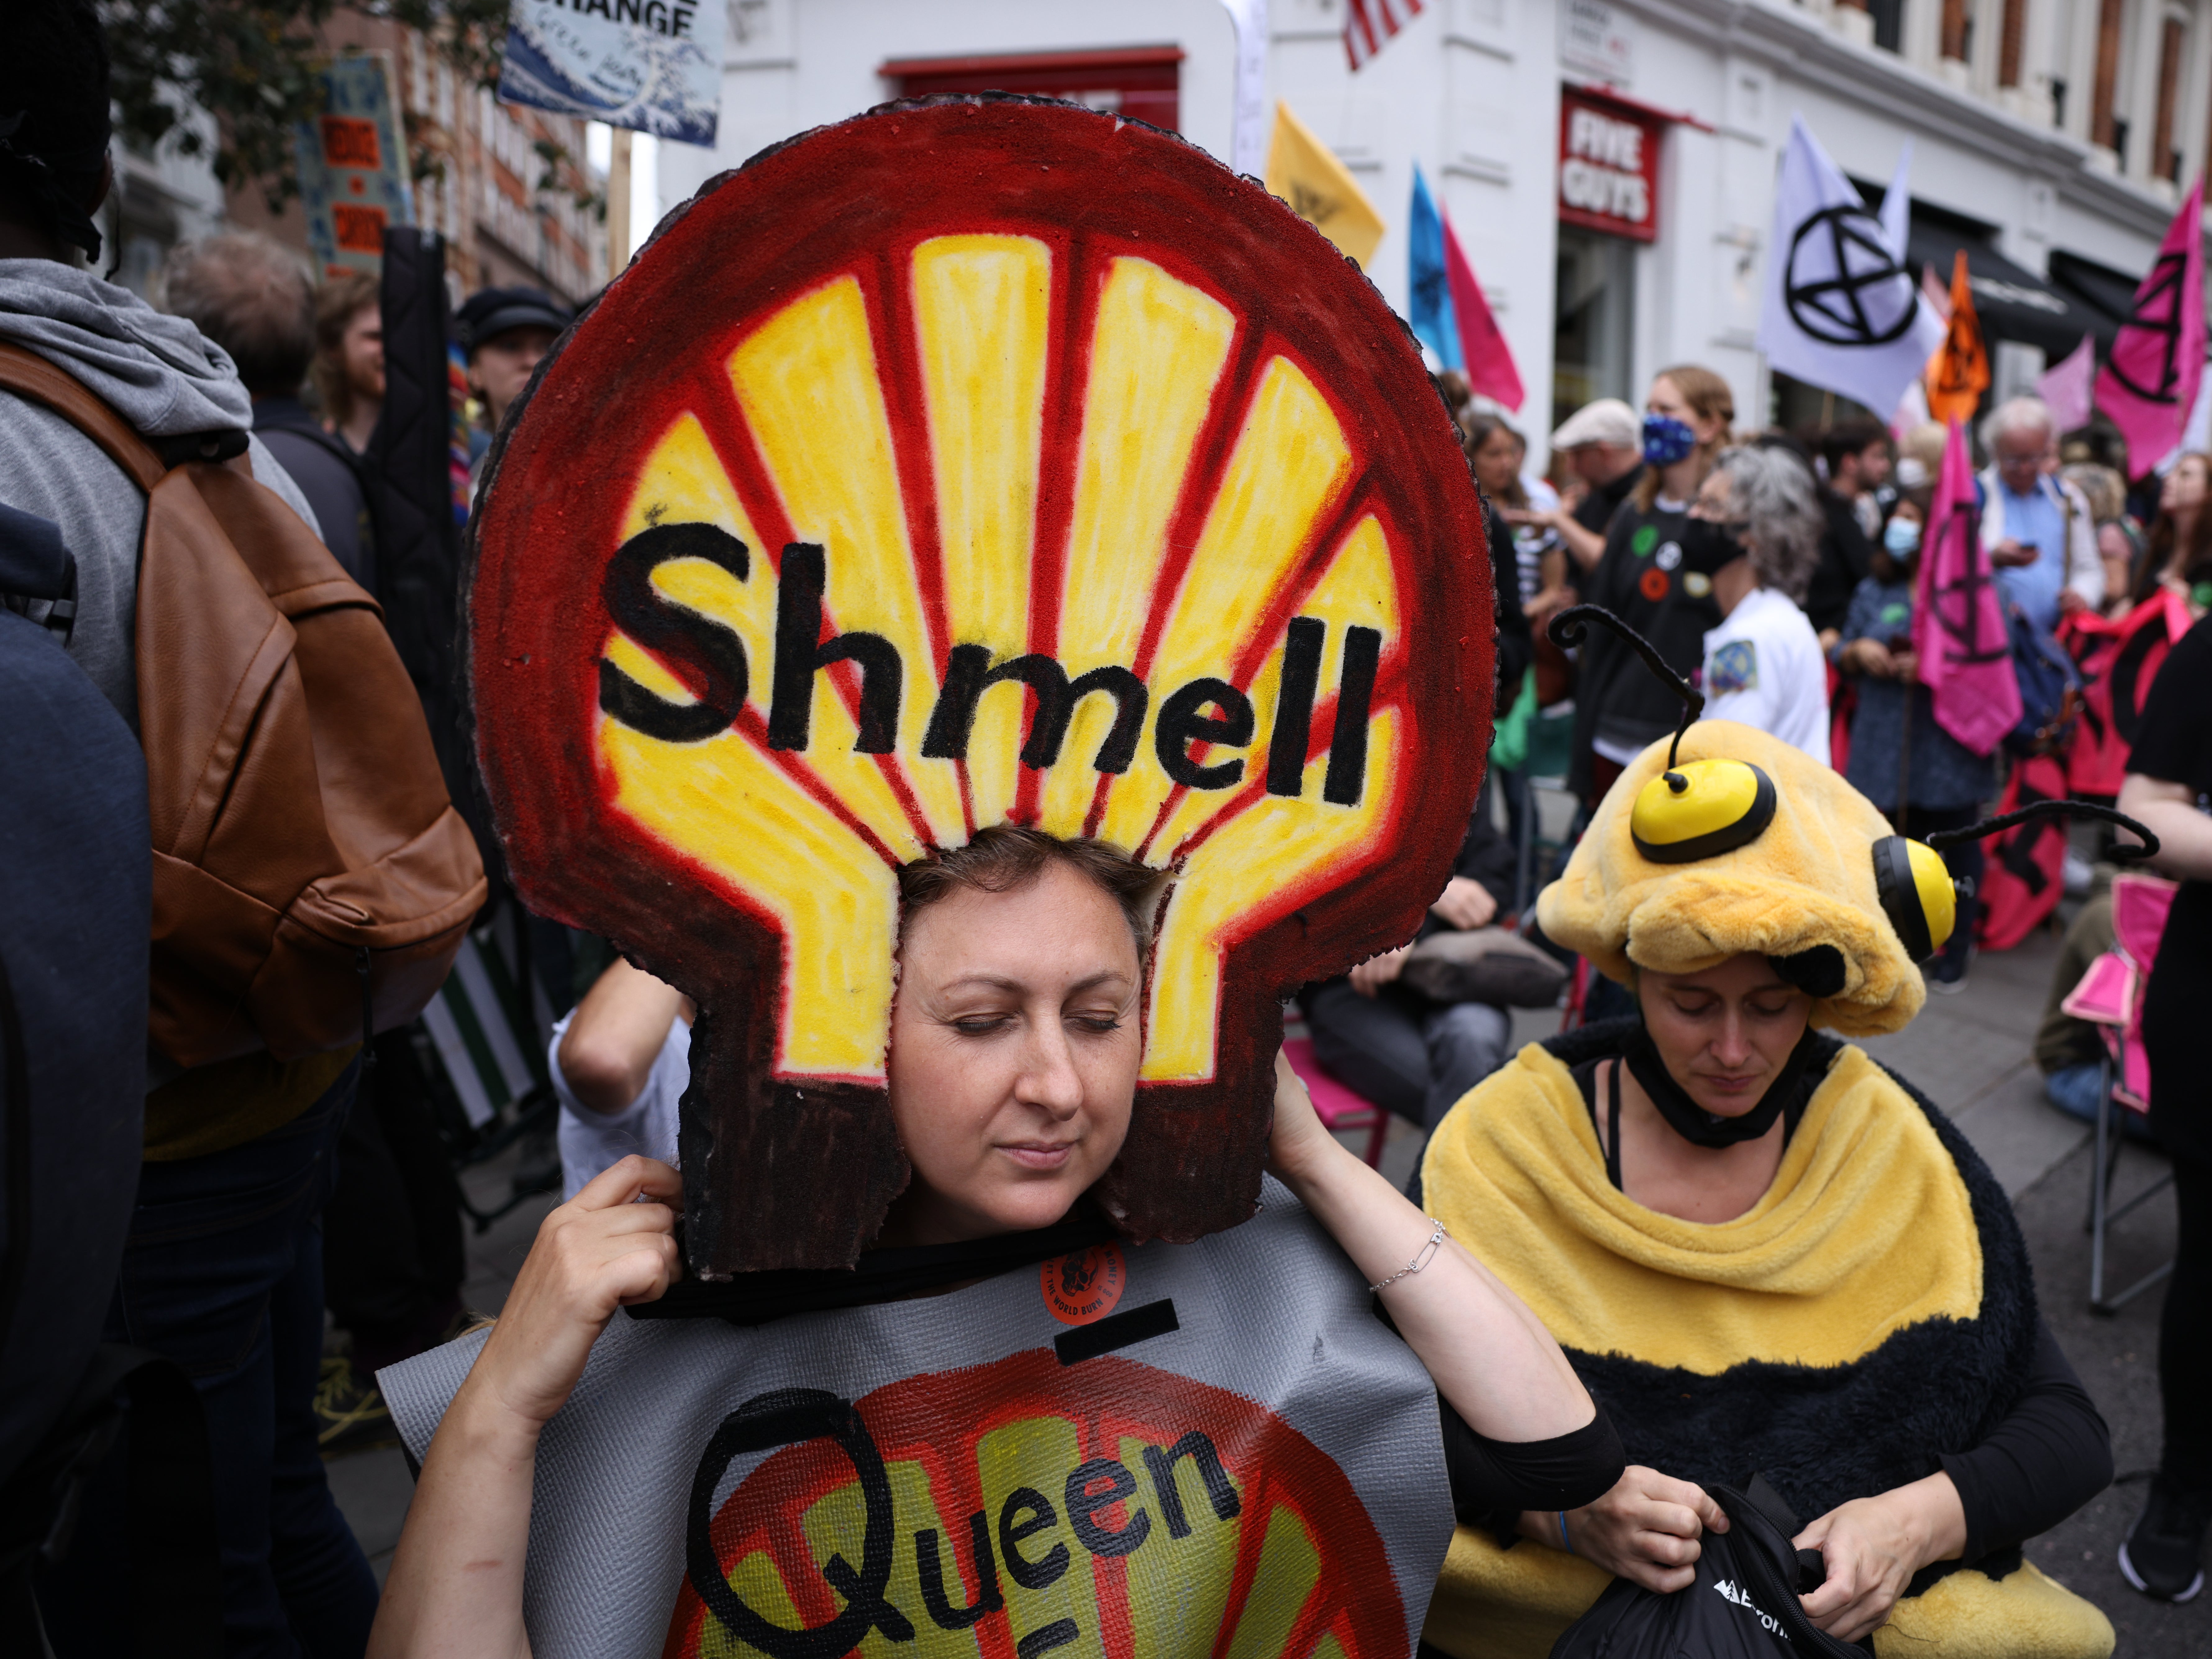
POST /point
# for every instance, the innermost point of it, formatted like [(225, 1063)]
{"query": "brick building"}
[(480, 167)]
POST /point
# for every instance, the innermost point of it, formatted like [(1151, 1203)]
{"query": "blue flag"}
[(1436, 326)]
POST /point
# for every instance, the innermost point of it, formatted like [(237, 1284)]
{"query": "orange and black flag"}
[(1958, 372)]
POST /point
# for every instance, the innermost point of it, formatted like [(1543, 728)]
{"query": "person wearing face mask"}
[(1763, 1252), (1755, 531), (1619, 708), (1922, 776)]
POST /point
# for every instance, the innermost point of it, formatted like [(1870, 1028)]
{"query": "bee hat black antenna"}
[(1571, 626), (1943, 839)]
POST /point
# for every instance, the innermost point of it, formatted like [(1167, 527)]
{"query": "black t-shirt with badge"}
[(1618, 703), (2173, 743)]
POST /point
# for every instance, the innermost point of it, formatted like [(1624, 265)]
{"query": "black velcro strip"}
[(1115, 1331)]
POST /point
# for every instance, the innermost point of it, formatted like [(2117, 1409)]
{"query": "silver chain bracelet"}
[(1428, 1255)]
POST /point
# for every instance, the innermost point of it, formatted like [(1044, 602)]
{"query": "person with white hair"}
[(2039, 531), (1752, 540)]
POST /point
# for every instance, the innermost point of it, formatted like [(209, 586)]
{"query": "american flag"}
[(1369, 25)]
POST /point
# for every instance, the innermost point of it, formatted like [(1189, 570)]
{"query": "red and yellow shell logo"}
[(960, 465), (1000, 1513)]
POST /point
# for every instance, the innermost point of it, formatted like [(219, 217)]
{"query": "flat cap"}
[(1608, 420)]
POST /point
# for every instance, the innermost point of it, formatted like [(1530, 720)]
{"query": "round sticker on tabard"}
[(1645, 538), (1086, 1285), (1668, 556), (1654, 585), (1037, 469), (1696, 584), (1002, 1510)]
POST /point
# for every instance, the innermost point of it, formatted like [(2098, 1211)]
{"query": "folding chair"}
[(490, 1053), (1550, 750), (1340, 1110), (2110, 996)]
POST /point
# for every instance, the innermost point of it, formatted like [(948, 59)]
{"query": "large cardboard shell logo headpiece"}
[(970, 461)]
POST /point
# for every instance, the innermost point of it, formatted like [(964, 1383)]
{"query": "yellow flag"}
[(1303, 172)]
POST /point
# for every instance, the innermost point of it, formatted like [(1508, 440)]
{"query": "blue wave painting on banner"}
[(650, 65)]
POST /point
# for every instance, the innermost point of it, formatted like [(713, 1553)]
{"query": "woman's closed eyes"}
[(989, 1025)]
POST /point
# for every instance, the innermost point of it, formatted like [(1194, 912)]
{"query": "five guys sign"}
[(1608, 166)]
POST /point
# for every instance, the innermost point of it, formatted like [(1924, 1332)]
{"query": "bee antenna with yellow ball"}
[(2054, 808), (1571, 625)]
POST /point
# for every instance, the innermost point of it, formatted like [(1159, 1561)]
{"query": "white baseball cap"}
[(1608, 420)]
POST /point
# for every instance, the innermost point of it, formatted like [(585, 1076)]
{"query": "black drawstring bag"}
[(1742, 1604)]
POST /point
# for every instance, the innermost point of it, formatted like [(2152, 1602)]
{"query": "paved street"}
[(1970, 1053)]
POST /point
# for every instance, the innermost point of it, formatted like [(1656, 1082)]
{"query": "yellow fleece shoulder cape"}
[(1880, 1281)]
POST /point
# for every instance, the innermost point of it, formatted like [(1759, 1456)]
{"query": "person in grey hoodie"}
[(158, 371), (222, 1271)]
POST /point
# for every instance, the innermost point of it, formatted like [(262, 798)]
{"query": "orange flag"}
[(1958, 372)]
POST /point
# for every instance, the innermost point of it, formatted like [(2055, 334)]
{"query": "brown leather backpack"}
[(312, 880)]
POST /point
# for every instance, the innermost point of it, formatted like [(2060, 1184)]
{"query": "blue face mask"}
[(1901, 536), (1667, 440)]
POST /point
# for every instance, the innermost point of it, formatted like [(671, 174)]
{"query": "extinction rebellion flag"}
[(1958, 617), (1842, 311), (2149, 382)]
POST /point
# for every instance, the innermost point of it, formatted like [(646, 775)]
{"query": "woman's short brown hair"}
[(1008, 857)]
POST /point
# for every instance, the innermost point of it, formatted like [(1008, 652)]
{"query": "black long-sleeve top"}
[(1493, 1481), (2051, 1455)]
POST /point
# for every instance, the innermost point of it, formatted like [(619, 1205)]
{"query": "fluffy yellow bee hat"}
[(1803, 882), (1722, 840)]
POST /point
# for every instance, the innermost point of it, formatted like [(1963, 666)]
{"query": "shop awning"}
[(2098, 287), (2013, 302)]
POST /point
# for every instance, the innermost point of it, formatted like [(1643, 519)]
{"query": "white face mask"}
[(1901, 536)]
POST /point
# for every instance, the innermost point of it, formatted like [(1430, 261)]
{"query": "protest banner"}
[(353, 165)]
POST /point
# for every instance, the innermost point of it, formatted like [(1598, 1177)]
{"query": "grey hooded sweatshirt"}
[(161, 374)]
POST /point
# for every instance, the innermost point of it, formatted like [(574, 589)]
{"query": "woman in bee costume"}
[(978, 608), (1766, 1254)]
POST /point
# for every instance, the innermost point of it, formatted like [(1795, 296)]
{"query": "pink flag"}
[(1489, 371), (2149, 383), (1958, 621), (1936, 291), (2065, 385)]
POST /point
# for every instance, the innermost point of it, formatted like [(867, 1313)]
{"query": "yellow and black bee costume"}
[(1873, 1312)]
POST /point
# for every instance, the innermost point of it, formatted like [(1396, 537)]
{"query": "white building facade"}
[(1608, 165)]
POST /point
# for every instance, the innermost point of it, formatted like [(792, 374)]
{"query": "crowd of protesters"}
[(1780, 574), (297, 1225)]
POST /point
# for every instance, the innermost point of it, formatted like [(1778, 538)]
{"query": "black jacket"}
[(1846, 556)]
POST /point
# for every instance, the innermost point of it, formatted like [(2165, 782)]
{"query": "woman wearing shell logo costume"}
[(987, 605), (1766, 1254)]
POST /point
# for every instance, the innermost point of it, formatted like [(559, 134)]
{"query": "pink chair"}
[(2109, 995), (1340, 1109)]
